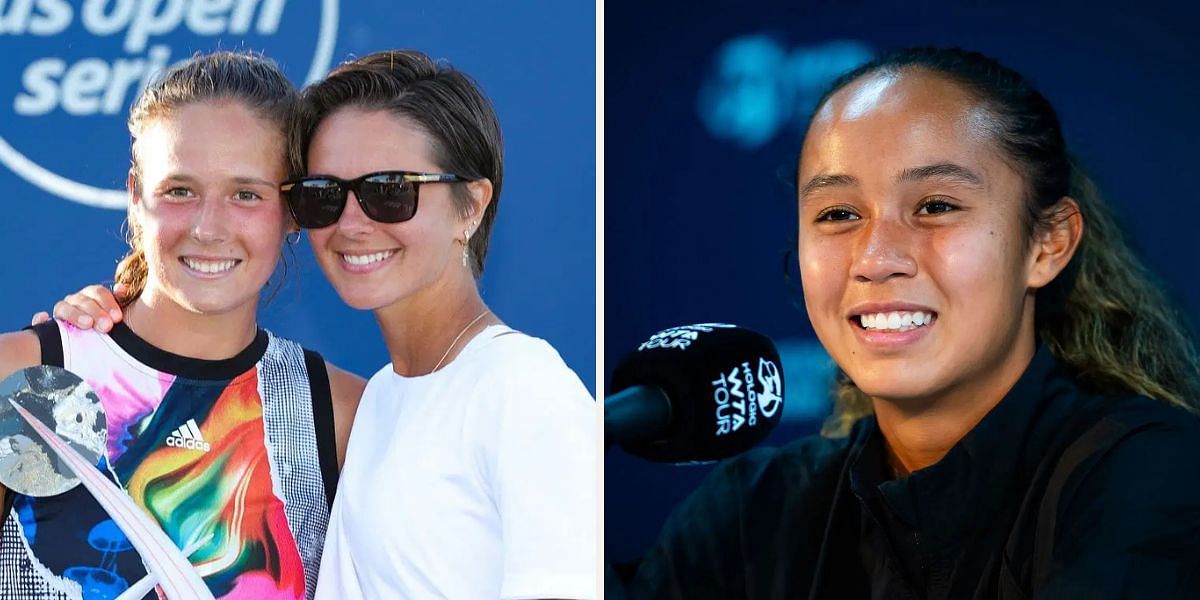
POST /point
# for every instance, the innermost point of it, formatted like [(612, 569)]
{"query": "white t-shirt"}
[(477, 481)]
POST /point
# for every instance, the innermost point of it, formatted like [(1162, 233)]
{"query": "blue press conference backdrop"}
[(704, 112), (71, 69)]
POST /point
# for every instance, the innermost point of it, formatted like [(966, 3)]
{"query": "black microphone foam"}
[(724, 384)]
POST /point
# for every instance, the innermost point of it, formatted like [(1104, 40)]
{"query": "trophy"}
[(53, 433)]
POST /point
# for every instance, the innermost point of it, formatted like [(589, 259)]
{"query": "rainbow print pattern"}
[(219, 497)]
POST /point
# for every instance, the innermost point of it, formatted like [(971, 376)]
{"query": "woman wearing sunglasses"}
[(1016, 412), (226, 435), (471, 471)]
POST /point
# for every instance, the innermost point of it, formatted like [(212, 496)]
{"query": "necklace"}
[(458, 337)]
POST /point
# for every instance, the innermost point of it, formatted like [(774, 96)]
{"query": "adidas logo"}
[(188, 436)]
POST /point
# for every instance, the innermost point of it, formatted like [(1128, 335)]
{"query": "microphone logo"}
[(738, 400), (680, 337), (696, 393), (771, 396)]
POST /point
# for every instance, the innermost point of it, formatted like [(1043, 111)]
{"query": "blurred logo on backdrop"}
[(758, 88), (76, 67)]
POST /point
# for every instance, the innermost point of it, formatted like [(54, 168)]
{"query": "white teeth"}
[(209, 266), (896, 321), (366, 259)]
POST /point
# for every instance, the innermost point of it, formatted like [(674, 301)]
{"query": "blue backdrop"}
[(704, 109), (73, 68)]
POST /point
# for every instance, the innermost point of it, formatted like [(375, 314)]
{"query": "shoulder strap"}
[(50, 339), (1094, 442), (322, 410)]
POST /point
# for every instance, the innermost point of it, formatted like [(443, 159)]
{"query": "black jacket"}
[(1056, 493)]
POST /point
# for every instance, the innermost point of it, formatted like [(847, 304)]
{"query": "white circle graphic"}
[(74, 191)]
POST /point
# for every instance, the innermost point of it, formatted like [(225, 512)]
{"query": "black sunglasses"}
[(385, 196)]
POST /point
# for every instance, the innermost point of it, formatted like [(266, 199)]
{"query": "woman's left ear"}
[(481, 197), (1056, 243)]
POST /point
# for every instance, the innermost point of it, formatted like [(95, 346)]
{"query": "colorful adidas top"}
[(234, 458)]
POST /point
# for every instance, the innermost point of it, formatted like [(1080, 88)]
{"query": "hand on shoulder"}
[(93, 306)]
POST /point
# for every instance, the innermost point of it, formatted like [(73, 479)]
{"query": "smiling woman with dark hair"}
[(471, 468), (1013, 386)]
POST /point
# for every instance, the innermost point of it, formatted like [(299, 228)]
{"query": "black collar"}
[(187, 367), (949, 501)]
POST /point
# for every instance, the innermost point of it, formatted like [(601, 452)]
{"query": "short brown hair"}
[(443, 101)]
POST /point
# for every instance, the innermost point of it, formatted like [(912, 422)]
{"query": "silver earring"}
[(293, 237)]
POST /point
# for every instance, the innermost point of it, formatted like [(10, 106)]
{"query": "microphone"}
[(695, 393)]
